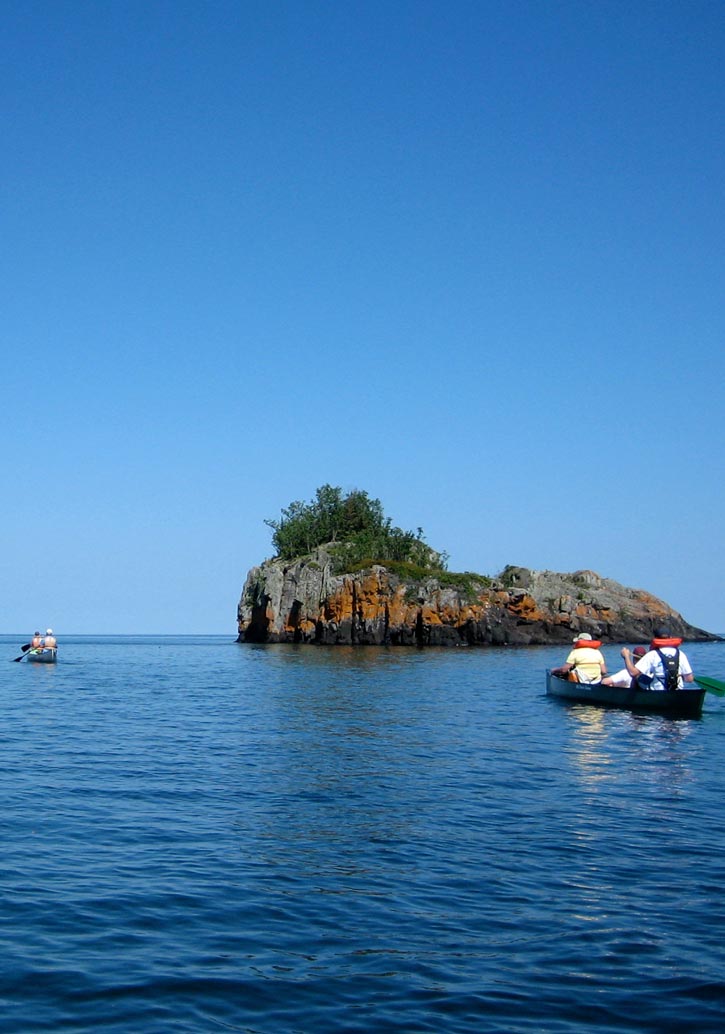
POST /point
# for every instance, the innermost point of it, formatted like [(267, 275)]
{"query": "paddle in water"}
[(25, 650)]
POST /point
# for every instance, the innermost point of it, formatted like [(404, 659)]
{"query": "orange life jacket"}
[(657, 644)]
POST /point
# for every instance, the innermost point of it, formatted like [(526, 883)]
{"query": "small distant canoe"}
[(43, 655), (680, 703)]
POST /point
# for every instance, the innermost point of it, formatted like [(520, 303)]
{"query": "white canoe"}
[(43, 655)]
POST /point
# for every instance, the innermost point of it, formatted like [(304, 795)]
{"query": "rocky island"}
[(342, 591)]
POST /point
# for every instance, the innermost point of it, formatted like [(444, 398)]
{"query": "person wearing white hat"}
[(585, 662), (49, 639)]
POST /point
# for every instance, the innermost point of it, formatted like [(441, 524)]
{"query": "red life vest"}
[(657, 644), (592, 644)]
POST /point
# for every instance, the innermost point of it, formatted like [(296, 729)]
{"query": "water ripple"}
[(201, 837)]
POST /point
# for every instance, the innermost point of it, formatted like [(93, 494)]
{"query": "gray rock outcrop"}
[(305, 601)]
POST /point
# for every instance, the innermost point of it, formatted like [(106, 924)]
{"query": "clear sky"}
[(466, 256)]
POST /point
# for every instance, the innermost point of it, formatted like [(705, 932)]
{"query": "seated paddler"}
[(625, 678), (664, 665), (585, 662)]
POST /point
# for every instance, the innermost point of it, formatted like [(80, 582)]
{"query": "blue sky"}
[(465, 256)]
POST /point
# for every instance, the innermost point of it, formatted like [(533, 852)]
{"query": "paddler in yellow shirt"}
[(585, 662)]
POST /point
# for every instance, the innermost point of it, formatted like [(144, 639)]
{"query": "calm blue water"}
[(199, 836)]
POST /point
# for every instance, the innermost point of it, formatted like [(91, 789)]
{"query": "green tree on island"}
[(356, 529)]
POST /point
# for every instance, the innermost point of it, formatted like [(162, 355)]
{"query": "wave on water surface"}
[(204, 836)]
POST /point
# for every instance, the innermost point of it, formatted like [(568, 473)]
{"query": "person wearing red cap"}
[(623, 677)]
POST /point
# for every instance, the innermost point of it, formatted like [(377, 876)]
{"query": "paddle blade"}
[(714, 685)]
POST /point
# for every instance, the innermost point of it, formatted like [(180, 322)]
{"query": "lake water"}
[(200, 836)]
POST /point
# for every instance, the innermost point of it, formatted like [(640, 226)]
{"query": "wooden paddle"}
[(712, 684), (24, 649)]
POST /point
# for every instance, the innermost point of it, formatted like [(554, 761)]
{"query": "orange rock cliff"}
[(304, 601)]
